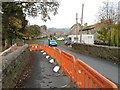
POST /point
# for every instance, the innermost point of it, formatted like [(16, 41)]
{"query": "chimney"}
[(85, 25)]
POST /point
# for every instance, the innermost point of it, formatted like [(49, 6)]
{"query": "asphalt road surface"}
[(105, 67)]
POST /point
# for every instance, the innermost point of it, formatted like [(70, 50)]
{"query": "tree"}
[(13, 22), (43, 8), (44, 27), (108, 11), (113, 35), (18, 11), (33, 31), (102, 35), (108, 29)]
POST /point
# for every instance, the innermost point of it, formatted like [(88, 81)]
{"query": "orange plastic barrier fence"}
[(41, 46), (79, 72), (87, 77), (48, 50), (58, 56), (68, 61), (44, 47), (52, 52), (34, 47)]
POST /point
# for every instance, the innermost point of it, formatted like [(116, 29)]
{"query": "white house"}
[(86, 38)]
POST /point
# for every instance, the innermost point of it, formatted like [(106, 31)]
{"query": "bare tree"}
[(107, 12), (108, 26)]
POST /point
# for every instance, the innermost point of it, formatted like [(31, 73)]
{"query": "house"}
[(88, 29), (91, 29), (74, 30), (58, 34), (87, 33)]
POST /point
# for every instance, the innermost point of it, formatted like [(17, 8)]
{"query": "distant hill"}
[(62, 30)]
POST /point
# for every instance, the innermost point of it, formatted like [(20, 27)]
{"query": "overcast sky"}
[(67, 13)]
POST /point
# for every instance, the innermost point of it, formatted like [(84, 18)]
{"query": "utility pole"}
[(81, 23), (76, 26), (118, 17), (76, 18)]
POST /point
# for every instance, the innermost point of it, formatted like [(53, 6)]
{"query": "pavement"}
[(42, 75)]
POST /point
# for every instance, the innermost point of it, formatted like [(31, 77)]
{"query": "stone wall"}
[(13, 65), (106, 52)]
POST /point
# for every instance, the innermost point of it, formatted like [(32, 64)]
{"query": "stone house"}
[(76, 30)]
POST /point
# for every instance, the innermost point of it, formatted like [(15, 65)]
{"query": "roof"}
[(89, 27), (75, 25)]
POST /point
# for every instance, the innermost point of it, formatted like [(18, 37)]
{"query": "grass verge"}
[(60, 42)]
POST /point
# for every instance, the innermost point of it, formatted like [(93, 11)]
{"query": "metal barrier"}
[(79, 72)]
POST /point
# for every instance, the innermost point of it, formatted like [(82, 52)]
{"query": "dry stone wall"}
[(106, 52), (13, 65)]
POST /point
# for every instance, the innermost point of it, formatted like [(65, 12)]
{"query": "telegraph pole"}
[(76, 26), (81, 23), (118, 17), (76, 18)]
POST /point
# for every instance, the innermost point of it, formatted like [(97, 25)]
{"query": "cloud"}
[(67, 13)]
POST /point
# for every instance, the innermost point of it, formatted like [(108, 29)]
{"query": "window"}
[(89, 36), (69, 38)]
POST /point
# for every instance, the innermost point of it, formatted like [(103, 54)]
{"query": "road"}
[(105, 67)]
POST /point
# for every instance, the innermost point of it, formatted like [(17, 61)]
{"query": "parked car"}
[(100, 43), (68, 41), (60, 38), (52, 43)]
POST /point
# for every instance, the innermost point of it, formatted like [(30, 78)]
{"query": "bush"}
[(113, 37)]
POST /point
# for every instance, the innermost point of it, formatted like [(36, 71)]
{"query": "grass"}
[(30, 41), (20, 41), (43, 39), (60, 42), (1, 48)]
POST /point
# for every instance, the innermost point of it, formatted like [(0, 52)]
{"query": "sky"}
[(67, 13)]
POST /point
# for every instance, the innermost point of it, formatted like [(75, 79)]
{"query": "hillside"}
[(62, 30)]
